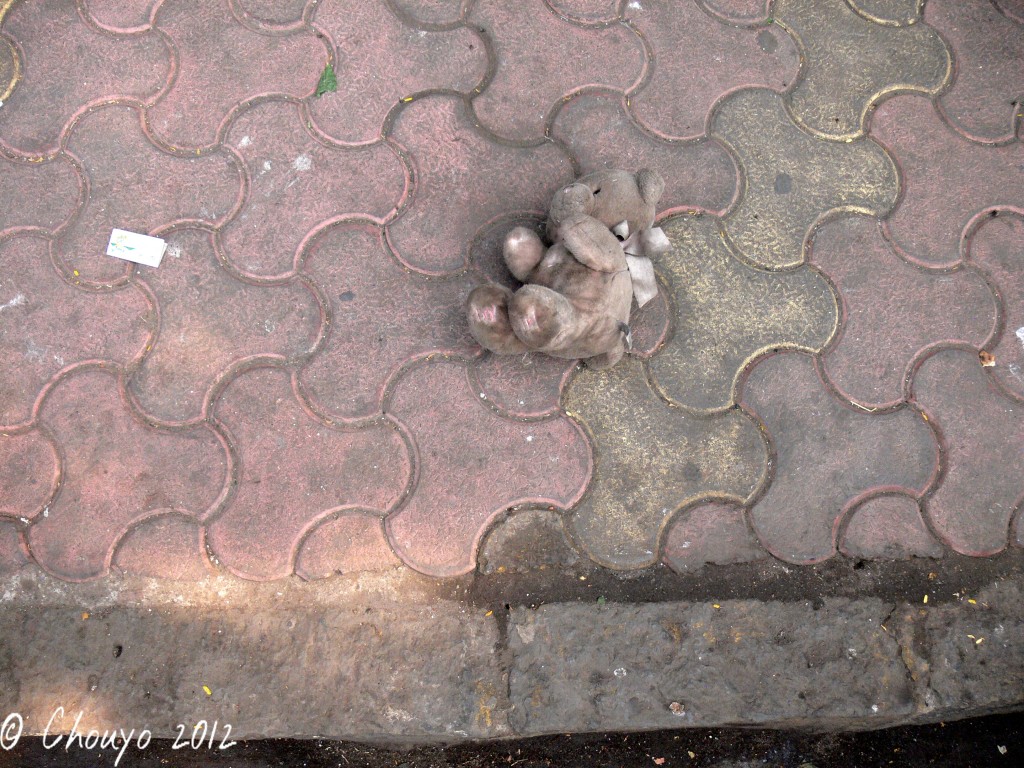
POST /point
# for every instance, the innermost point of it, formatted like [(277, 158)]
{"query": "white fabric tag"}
[(131, 246), (641, 272)]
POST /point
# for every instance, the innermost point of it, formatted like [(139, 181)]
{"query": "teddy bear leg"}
[(487, 311), (538, 314), (523, 251)]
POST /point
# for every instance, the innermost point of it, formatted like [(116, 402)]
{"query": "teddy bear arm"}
[(593, 245)]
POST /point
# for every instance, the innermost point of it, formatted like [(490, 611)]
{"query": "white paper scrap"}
[(131, 246)]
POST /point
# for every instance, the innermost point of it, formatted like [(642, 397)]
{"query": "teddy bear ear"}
[(650, 184)]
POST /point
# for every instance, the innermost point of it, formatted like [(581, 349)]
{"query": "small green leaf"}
[(328, 82), (601, 600)]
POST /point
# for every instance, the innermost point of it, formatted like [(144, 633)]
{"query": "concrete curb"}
[(365, 663)]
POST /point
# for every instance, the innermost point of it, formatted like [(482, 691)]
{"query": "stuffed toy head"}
[(578, 289), (611, 197)]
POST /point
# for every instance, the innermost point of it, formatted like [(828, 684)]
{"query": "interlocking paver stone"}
[(12, 553), (983, 433), (473, 465), (600, 134), (121, 15), (739, 11), (166, 546), (10, 67), (527, 540), (214, 74), (346, 544), (382, 316), (106, 484), (947, 180), (986, 96), (48, 193), (712, 532), (463, 181), (135, 186), (437, 12), (29, 474), (53, 44), (998, 248), (677, 99), (650, 460), (209, 322), (295, 176), (293, 470), (47, 325), (586, 10), (794, 180), (897, 12), (381, 61), (275, 13), (524, 386), (827, 457), (526, 86), (1014, 9), (851, 62), (727, 313), (889, 527), (893, 311)]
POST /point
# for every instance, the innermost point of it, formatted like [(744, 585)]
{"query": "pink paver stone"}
[(828, 457), (273, 13), (983, 432), (523, 386), (1014, 9), (135, 186), (893, 311), (381, 61), (430, 12), (947, 180), (296, 177), (528, 84), (295, 470), (586, 11), (889, 528), (47, 325), (464, 181), (998, 248), (599, 133), (221, 65), (47, 193), (54, 43), (164, 547), (108, 484), (986, 96), (714, 532), (473, 465), (29, 474), (12, 553), (739, 11), (346, 544), (210, 321), (121, 15), (890, 12), (677, 100), (382, 317)]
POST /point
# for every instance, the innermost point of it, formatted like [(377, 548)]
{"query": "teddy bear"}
[(578, 291)]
